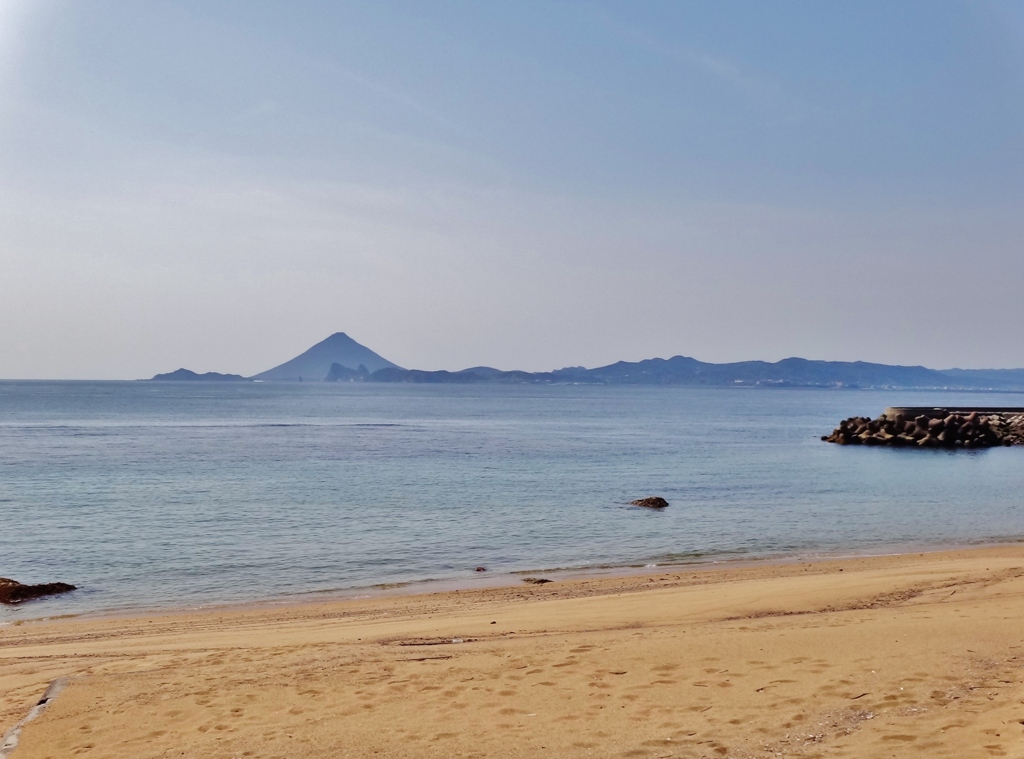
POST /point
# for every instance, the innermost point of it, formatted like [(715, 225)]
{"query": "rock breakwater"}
[(938, 428)]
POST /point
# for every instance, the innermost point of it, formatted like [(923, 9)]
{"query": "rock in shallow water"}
[(654, 502), (13, 592)]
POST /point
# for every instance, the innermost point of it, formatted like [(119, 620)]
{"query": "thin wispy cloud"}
[(754, 86)]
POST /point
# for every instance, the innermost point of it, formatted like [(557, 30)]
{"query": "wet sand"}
[(901, 656)]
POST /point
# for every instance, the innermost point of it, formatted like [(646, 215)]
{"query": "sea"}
[(162, 495)]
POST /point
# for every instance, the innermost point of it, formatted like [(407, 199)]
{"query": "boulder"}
[(13, 592), (652, 502)]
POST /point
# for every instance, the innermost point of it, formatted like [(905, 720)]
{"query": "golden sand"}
[(904, 656)]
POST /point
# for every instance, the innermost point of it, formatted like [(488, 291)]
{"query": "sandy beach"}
[(898, 656)]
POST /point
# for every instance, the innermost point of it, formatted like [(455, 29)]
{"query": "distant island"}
[(339, 358), (184, 375)]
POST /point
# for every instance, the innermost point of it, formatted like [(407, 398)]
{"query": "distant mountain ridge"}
[(683, 370), (339, 358)]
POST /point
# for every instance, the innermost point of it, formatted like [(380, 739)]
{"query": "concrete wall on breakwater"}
[(941, 412)]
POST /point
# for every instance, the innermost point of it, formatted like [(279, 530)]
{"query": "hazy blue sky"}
[(219, 185)]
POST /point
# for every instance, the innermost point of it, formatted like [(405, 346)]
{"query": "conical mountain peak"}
[(315, 364)]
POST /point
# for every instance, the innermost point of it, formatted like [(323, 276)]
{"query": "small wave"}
[(281, 424), (107, 428)]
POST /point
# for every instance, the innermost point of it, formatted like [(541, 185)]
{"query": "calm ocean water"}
[(169, 495)]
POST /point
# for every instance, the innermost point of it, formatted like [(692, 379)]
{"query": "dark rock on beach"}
[(13, 592), (653, 502)]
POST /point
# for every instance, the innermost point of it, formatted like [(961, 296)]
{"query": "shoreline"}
[(893, 655), (497, 580)]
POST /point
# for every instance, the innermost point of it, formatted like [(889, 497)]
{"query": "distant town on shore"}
[(339, 358)]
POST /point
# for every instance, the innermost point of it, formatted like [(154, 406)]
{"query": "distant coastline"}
[(339, 358), (184, 375)]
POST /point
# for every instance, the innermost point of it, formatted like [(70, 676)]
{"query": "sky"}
[(219, 184)]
